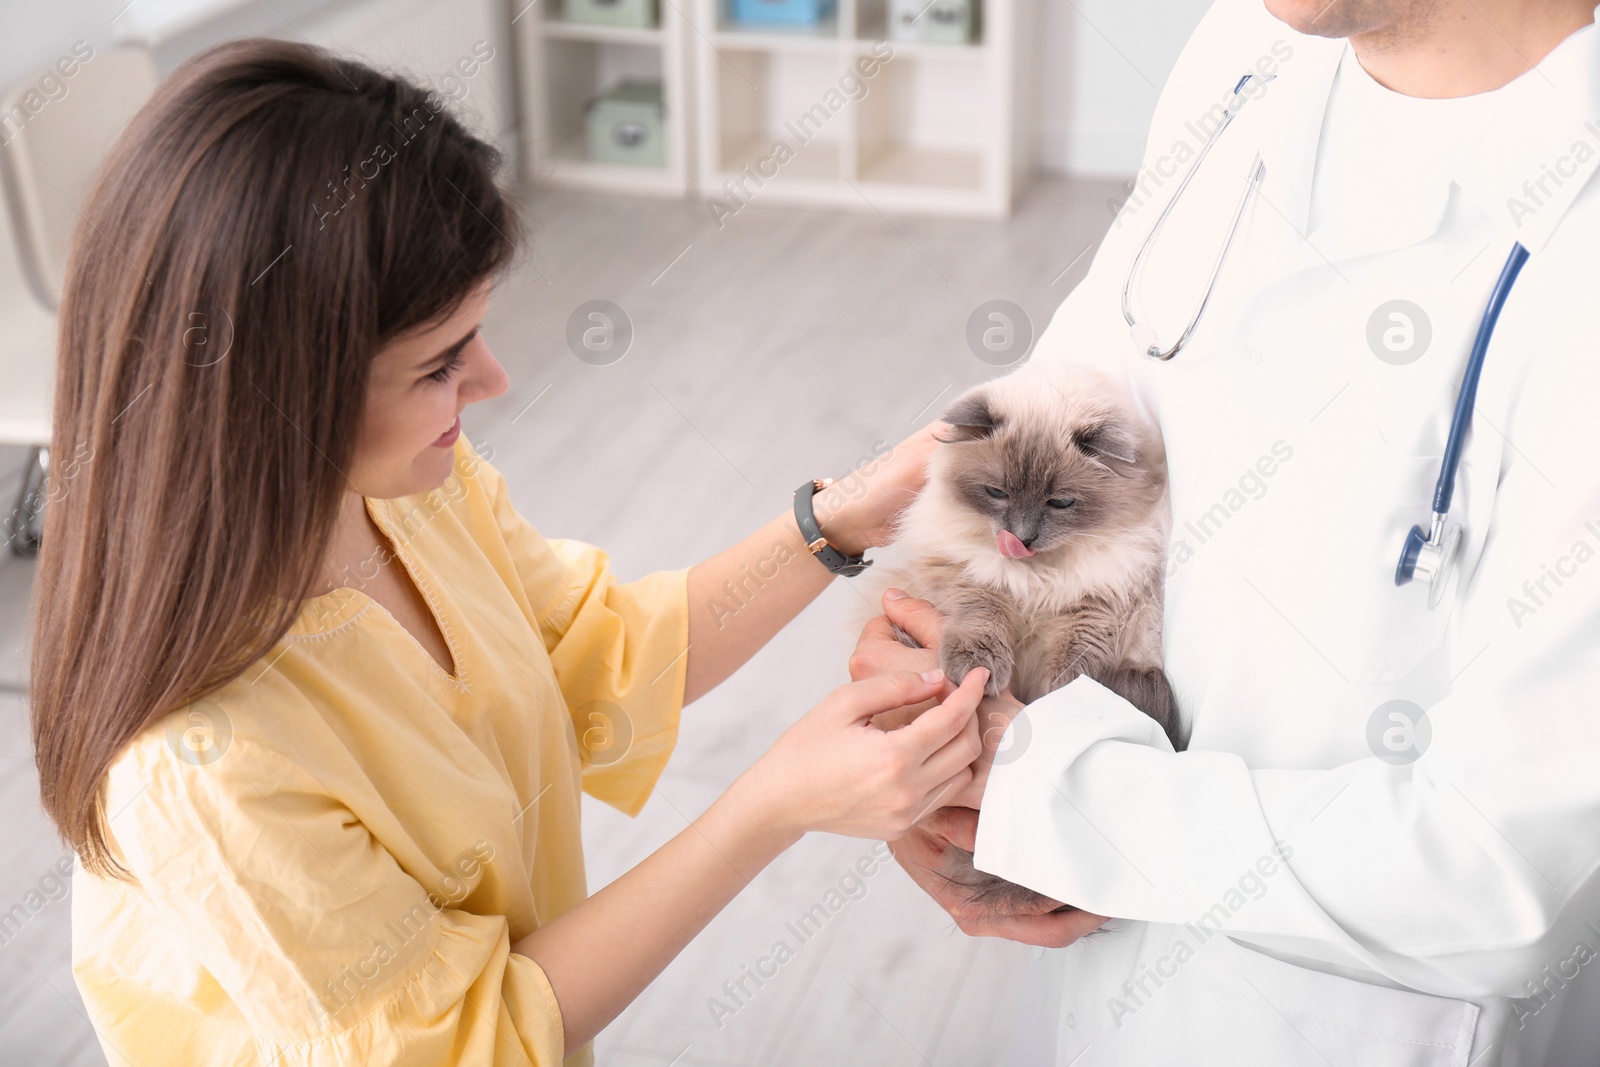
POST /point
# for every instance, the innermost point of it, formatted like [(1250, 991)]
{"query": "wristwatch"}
[(826, 554)]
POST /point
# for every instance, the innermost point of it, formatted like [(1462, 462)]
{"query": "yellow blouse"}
[(335, 852)]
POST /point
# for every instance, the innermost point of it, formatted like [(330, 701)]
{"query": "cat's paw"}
[(961, 652)]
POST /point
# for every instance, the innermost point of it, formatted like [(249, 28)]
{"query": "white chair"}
[(54, 148), (27, 374)]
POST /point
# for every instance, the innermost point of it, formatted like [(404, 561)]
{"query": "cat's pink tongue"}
[(1011, 546)]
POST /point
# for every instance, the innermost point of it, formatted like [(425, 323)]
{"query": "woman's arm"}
[(833, 771), (741, 597)]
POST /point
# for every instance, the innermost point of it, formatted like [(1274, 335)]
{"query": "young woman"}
[(312, 702)]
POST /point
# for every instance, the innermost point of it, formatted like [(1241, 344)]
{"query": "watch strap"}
[(805, 517)]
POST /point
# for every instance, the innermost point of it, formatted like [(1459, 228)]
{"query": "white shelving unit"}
[(935, 132), (567, 64)]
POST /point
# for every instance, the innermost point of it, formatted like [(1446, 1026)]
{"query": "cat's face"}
[(1045, 471)]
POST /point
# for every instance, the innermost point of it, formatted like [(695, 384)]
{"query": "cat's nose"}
[(1026, 532)]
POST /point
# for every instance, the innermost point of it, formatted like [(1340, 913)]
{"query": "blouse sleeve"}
[(619, 651), (331, 952)]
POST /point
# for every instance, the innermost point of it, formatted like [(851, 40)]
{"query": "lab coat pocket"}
[(1296, 1014)]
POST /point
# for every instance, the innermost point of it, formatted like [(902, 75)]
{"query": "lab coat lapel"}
[(1287, 135), (1291, 127)]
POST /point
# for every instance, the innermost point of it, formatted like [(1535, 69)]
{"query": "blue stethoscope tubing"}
[(1432, 554)]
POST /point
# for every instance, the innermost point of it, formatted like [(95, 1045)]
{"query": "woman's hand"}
[(835, 771), (857, 511), (879, 649), (921, 852)]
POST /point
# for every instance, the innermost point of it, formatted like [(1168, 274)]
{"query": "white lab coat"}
[(1371, 912)]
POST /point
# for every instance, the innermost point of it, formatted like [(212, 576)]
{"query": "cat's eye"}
[(998, 494), (1062, 502)]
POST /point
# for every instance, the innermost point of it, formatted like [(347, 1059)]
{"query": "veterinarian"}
[(1381, 843)]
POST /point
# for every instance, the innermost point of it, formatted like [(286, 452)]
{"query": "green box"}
[(610, 12), (627, 124)]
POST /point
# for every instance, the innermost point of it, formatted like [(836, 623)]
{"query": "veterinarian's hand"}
[(857, 511), (921, 851), (879, 649), (834, 771)]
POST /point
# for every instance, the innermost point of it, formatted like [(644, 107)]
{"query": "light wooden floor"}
[(780, 347)]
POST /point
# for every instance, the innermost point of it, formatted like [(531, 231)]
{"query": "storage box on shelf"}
[(589, 119), (835, 113), (625, 126), (637, 13), (933, 21), (756, 13)]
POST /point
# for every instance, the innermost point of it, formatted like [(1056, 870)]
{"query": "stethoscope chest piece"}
[(1430, 556)]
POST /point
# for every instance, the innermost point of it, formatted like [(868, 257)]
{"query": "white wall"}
[(36, 34), (1101, 66)]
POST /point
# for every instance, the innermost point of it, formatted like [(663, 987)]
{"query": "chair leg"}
[(25, 523)]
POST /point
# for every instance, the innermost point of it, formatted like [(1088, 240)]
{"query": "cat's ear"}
[(970, 418), (1108, 440)]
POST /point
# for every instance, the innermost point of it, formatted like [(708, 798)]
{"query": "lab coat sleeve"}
[(618, 649), (1462, 873), (331, 952)]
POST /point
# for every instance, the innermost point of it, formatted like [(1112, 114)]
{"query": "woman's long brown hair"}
[(271, 218)]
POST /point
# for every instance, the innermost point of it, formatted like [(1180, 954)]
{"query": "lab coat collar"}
[(1412, 212), (1525, 172)]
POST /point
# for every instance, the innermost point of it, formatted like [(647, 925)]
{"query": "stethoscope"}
[(1433, 554)]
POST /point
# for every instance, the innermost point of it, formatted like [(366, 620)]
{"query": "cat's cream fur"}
[(1088, 600), (1058, 576)]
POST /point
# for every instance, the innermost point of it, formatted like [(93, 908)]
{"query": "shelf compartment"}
[(764, 98), (924, 125), (816, 161), (891, 163), (577, 71)]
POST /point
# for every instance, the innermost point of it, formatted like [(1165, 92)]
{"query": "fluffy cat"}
[(1041, 536)]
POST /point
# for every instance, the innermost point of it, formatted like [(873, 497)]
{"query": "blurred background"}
[(769, 238)]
